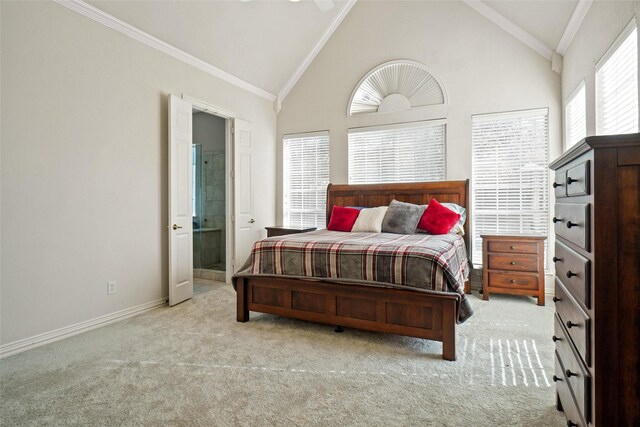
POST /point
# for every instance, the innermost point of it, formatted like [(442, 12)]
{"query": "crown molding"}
[(151, 41), (511, 27), (573, 25), (312, 55)]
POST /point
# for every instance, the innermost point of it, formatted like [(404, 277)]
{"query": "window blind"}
[(575, 117), (305, 176), (408, 152), (617, 86), (510, 176)]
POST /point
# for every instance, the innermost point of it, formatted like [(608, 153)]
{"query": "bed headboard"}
[(419, 193)]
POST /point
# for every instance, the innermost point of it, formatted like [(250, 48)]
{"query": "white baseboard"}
[(48, 337)]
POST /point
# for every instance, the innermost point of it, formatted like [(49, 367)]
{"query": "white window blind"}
[(510, 175), (575, 117), (408, 152), (617, 86), (306, 176)]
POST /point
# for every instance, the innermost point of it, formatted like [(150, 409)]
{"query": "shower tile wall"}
[(213, 210)]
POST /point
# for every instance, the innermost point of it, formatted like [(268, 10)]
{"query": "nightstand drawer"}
[(572, 269), (575, 321), (510, 247), (513, 262), (281, 230), (513, 281)]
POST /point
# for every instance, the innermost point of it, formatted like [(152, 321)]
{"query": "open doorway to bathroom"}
[(209, 199)]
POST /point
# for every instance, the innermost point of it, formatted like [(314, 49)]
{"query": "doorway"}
[(209, 198)]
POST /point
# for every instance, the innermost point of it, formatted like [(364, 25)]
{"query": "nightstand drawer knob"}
[(555, 338), (570, 374), (513, 247), (556, 379), (513, 263), (556, 299), (570, 274), (555, 185), (570, 324), (556, 219), (571, 180), (556, 259), (571, 224), (513, 280)]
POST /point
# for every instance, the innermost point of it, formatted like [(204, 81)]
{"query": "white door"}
[(180, 201), (245, 229)]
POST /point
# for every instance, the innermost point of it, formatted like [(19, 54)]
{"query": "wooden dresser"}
[(513, 265), (597, 284)]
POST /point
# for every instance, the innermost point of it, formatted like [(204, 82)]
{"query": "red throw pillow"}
[(342, 218), (438, 219)]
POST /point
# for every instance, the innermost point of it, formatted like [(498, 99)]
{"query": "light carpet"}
[(194, 365)]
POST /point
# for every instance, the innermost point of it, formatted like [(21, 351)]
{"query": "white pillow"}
[(370, 220)]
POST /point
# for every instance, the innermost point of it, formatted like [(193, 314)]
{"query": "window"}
[(510, 176), (407, 152), (306, 176), (575, 117), (617, 86)]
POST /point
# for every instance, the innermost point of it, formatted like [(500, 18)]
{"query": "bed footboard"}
[(403, 312)]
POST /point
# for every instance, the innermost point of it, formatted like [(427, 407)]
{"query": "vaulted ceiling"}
[(268, 43)]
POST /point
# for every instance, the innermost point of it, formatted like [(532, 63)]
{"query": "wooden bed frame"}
[(403, 312)]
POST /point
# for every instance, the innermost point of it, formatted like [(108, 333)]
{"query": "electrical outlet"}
[(111, 287)]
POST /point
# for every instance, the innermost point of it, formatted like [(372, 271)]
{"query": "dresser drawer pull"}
[(513, 247), (556, 259), (571, 224), (556, 379), (556, 185), (513, 263), (570, 374), (571, 424), (555, 338), (570, 324), (556, 220), (556, 299), (513, 280), (571, 180), (570, 274)]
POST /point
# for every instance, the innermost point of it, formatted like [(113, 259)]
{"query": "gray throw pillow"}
[(402, 218)]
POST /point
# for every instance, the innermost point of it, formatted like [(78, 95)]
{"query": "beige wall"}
[(600, 28), (483, 68), (84, 166)]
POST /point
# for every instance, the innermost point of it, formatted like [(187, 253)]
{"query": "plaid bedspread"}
[(436, 263)]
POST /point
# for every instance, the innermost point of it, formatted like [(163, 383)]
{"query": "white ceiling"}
[(543, 19), (264, 42)]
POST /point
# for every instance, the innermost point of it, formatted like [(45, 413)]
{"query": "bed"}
[(373, 306)]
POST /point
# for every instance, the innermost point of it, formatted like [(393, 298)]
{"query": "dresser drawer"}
[(572, 223), (573, 270), (575, 375), (578, 180), (513, 280), (560, 184), (569, 405), (513, 262), (513, 247), (575, 320)]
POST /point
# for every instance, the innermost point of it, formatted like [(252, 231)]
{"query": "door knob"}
[(251, 221), (176, 226)]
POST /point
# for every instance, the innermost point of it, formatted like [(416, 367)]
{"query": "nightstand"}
[(513, 265), (281, 230)]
